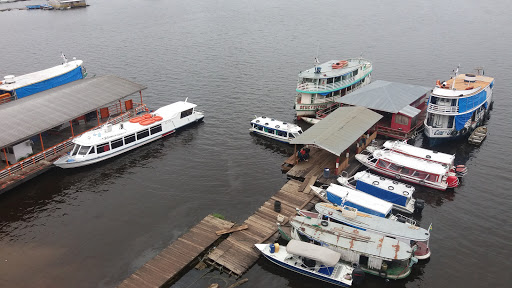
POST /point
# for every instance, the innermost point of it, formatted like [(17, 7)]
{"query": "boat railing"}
[(313, 87), (408, 220), (443, 109)]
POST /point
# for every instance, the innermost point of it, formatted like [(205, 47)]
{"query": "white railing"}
[(434, 108), (312, 87)]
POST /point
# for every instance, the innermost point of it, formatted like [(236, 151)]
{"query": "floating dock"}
[(168, 264)]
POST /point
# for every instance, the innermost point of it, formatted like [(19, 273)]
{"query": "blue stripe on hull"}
[(306, 273)]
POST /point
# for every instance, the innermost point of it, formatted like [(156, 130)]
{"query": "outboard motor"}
[(357, 276), (461, 170), (400, 219), (419, 205)]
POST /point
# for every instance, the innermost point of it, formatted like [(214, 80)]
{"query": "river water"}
[(94, 226)]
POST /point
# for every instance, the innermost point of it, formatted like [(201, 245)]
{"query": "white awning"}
[(312, 251)]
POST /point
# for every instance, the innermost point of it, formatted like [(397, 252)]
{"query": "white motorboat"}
[(67, 4), (408, 168), (320, 86), (396, 226), (110, 140), (345, 196), (275, 129), (375, 254), (478, 136), (397, 193), (313, 261)]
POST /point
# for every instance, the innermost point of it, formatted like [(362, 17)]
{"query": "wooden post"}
[(71, 124), (98, 117), (295, 154), (42, 146), (6, 161), (140, 92)]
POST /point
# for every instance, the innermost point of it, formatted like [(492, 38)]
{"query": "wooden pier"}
[(168, 264)]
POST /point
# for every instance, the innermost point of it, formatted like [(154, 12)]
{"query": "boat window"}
[(259, 127), (281, 133), (102, 148), (374, 160), (382, 163), (405, 171), (156, 129), (83, 150), (117, 143), (93, 150), (394, 167), (73, 152), (401, 119), (129, 139), (186, 113), (269, 130), (142, 134), (355, 72), (291, 135), (450, 121)]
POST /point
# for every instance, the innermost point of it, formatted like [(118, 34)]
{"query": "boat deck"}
[(165, 266), (482, 81)]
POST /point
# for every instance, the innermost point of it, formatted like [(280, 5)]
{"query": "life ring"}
[(257, 121), (136, 119), (324, 223), (375, 183), (397, 176), (391, 188), (277, 126), (395, 182), (428, 156), (146, 116), (147, 122), (408, 186), (381, 178), (405, 193), (157, 118)]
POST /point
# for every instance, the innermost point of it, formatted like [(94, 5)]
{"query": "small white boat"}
[(386, 257), (311, 120), (397, 193), (478, 136), (346, 196), (111, 140), (426, 154), (408, 168), (398, 227), (275, 129), (67, 4), (313, 261)]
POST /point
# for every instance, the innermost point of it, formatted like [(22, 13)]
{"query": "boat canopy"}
[(405, 148), (366, 203), (312, 251), (411, 162), (383, 188)]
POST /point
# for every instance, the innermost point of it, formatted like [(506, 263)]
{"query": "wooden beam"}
[(234, 229)]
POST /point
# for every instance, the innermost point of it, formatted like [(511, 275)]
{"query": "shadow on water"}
[(273, 145)]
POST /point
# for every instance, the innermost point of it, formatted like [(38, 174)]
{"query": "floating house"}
[(403, 106)]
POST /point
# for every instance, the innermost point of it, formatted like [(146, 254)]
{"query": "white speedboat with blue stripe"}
[(313, 261), (111, 140), (275, 129)]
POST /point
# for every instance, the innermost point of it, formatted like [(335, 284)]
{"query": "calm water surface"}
[(94, 226)]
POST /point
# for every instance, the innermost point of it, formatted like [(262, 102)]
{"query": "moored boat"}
[(410, 169), (275, 129), (457, 106), (364, 202), (375, 254), (111, 140), (67, 4), (313, 261), (400, 228), (16, 87), (397, 193), (320, 86), (478, 136)]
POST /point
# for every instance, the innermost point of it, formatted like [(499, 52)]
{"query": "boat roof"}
[(460, 86), (346, 237), (108, 132), (32, 115), (375, 223), (276, 124), (31, 78), (405, 148), (340, 129), (392, 97), (360, 198), (384, 183), (411, 162), (312, 251), (326, 70)]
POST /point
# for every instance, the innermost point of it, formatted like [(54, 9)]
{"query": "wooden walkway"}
[(318, 160), (165, 266), (237, 253)]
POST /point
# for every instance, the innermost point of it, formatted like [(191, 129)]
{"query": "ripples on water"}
[(94, 226)]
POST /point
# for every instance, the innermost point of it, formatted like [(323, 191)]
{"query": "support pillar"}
[(140, 92), (6, 161), (98, 117), (42, 146), (71, 124)]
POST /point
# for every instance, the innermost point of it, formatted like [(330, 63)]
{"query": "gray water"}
[(94, 226)]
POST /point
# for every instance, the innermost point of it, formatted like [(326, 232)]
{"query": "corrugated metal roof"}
[(385, 96), (410, 111), (26, 117), (340, 129)]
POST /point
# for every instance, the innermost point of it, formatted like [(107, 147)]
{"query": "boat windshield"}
[(83, 150), (75, 150)]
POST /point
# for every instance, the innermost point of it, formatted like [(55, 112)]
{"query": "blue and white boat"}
[(275, 129), (457, 106), (16, 87), (345, 196), (397, 193), (109, 140), (313, 261)]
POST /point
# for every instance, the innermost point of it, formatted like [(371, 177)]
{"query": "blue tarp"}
[(468, 103), (381, 193), (71, 76), (460, 120), (338, 201)]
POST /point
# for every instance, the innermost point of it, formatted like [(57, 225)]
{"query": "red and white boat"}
[(408, 168), (425, 154)]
